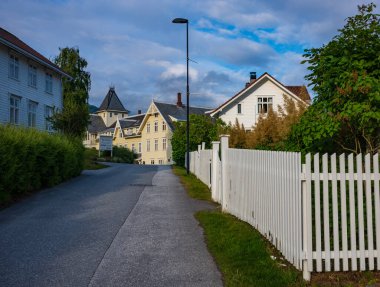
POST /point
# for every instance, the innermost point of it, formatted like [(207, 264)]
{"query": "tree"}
[(202, 129), (74, 117), (345, 75)]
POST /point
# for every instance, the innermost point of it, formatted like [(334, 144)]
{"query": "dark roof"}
[(15, 43), (179, 113), (112, 102), (96, 124), (131, 122), (300, 91)]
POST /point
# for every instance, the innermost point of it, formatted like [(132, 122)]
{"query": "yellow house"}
[(157, 127)]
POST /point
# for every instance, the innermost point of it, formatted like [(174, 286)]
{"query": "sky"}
[(134, 46)]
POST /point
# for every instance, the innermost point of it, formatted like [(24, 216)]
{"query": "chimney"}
[(179, 101), (139, 112), (252, 77)]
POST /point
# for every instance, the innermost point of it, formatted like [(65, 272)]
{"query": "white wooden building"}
[(30, 84), (258, 96)]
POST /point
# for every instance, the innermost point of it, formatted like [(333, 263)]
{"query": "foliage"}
[(202, 129), (74, 117), (194, 187), (123, 154), (90, 159), (271, 130), (31, 159), (345, 75)]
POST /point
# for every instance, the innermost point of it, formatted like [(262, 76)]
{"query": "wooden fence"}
[(323, 215)]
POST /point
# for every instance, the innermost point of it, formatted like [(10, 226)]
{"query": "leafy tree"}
[(345, 75), (74, 117), (202, 129)]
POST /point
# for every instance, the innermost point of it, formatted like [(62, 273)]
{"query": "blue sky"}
[(132, 44)]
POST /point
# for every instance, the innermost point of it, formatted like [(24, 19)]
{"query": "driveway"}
[(126, 225)]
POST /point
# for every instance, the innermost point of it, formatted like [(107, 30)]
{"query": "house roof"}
[(96, 124), (112, 102), (172, 112), (16, 44), (131, 122), (297, 91)]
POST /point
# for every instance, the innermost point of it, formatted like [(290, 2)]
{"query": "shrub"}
[(31, 160), (122, 154)]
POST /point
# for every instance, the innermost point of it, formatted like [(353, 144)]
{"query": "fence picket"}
[(354, 261), (317, 206), (326, 214), (335, 212), (343, 207), (377, 205), (369, 211), (360, 212)]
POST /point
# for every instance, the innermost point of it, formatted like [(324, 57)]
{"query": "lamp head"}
[(180, 21)]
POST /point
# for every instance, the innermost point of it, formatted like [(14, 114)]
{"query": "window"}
[(156, 115), (264, 104), (164, 144), (139, 147), (163, 126), (152, 161), (13, 67), (32, 76), (156, 126), (49, 83), (14, 110), (160, 161), (156, 144), (133, 147), (48, 114), (120, 133), (239, 108), (147, 145), (110, 115), (148, 127), (32, 112)]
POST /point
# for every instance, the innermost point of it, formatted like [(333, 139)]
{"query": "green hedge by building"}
[(31, 160)]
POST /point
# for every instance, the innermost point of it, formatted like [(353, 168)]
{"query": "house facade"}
[(30, 84), (258, 96), (148, 135)]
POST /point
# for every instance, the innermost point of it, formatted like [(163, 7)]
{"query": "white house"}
[(30, 84), (258, 96)]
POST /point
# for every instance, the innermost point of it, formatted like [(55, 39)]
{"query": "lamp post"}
[(185, 21)]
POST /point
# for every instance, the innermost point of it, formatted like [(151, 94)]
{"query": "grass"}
[(90, 157), (242, 254), (194, 187)]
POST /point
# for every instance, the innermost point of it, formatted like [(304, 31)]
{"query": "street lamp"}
[(185, 21)]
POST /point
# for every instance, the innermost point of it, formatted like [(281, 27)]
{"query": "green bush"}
[(122, 154), (31, 160)]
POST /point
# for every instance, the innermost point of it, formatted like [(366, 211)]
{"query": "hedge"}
[(31, 160)]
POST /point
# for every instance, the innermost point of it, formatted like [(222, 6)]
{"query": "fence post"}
[(224, 146), (214, 175), (306, 215), (203, 145)]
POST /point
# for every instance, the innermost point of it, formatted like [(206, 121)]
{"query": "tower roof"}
[(111, 102)]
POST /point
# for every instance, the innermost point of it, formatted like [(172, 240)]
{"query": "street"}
[(126, 225)]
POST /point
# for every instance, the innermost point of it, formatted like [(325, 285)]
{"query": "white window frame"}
[(164, 145), (32, 114), (139, 147), (160, 161), (48, 83), (148, 127), (264, 103), (148, 145), (32, 76), (13, 67), (239, 109), (163, 125), (155, 144), (48, 113), (155, 126), (151, 161), (14, 109)]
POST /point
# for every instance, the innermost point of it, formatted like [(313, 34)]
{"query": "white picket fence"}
[(323, 215)]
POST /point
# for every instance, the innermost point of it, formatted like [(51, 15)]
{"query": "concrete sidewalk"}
[(160, 243)]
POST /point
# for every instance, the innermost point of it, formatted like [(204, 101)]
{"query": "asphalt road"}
[(126, 225)]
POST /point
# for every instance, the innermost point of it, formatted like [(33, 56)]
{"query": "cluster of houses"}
[(30, 86)]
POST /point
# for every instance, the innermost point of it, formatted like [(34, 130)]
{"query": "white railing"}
[(323, 215)]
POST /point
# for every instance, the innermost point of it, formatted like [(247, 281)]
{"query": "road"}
[(126, 225)]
